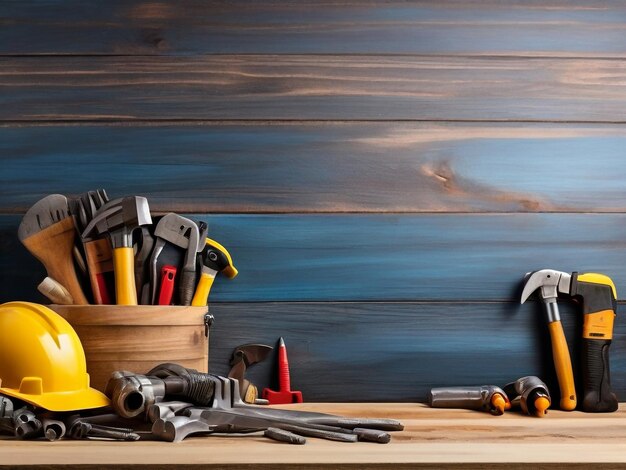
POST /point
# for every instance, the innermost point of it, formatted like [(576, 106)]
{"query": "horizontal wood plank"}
[(376, 351), (312, 87), (431, 439), (197, 27), (322, 167), (381, 351), (380, 257)]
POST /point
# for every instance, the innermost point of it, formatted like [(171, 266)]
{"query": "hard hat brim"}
[(86, 399)]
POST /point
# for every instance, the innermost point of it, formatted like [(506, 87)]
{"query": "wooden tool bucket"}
[(137, 338)]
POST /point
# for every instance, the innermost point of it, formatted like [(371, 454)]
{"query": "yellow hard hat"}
[(42, 361)]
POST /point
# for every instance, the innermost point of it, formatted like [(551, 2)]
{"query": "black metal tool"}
[(243, 357)]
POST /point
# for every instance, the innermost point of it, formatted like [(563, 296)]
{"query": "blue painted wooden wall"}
[(383, 173)]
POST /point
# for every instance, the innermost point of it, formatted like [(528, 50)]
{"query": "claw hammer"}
[(598, 296), (119, 219), (549, 283)]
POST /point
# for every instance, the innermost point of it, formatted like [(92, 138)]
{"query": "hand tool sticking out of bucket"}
[(188, 276), (55, 292), (119, 219), (175, 230), (143, 243), (47, 231), (284, 394), (166, 291), (215, 259), (97, 248)]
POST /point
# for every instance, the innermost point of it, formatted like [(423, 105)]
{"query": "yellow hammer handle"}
[(123, 265), (563, 366), (201, 297)]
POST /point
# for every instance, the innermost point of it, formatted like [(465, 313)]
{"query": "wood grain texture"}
[(376, 301), (322, 167), (52, 246), (137, 338), (433, 439), (313, 87), (378, 351), (132, 315), (195, 27), (392, 257)]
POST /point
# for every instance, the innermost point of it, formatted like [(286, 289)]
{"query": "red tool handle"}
[(168, 274), (284, 381), (103, 289), (284, 394)]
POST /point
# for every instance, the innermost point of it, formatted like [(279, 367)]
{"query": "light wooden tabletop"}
[(432, 437)]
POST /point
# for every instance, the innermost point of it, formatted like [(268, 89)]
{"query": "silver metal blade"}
[(549, 281), (44, 213)]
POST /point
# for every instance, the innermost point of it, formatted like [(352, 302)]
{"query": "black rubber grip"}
[(187, 287), (597, 394)]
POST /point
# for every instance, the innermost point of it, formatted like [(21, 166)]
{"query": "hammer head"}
[(548, 281), (216, 257), (119, 218)]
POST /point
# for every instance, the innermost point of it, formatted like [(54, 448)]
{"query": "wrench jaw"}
[(132, 395), (27, 426), (54, 429), (166, 410), (177, 428)]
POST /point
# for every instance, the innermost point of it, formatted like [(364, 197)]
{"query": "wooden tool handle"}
[(55, 292), (53, 247), (563, 366), (123, 263), (99, 256)]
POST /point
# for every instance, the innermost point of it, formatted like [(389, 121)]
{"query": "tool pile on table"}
[(44, 392), (116, 252), (124, 255), (598, 297), (171, 403)]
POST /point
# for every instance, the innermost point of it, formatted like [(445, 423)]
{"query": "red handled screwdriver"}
[(285, 394)]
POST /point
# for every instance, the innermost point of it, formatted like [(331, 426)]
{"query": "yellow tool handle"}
[(123, 265), (201, 297), (563, 366)]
